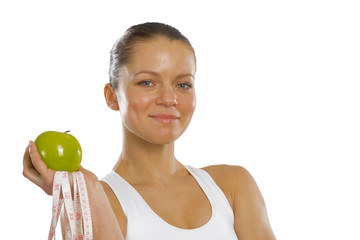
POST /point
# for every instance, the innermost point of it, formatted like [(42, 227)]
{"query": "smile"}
[(163, 118)]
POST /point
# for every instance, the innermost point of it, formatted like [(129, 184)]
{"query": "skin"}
[(160, 80)]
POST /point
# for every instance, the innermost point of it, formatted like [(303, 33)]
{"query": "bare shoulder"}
[(230, 178), (251, 220), (225, 168), (229, 174)]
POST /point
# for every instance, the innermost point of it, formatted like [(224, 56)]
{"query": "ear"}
[(110, 97)]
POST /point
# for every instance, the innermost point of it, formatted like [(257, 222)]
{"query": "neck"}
[(143, 161)]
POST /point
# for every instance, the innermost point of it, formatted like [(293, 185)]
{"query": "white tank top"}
[(143, 223)]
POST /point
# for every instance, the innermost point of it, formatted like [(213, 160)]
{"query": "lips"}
[(164, 118)]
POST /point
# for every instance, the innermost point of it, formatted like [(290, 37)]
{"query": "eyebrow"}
[(185, 75), (147, 72), (156, 74)]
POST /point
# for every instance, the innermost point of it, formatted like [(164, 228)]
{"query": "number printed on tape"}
[(75, 213)]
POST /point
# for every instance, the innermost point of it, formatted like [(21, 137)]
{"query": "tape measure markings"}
[(75, 216)]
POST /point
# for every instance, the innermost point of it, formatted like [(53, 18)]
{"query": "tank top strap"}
[(130, 200), (214, 193)]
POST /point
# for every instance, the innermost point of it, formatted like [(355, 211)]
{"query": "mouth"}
[(163, 118)]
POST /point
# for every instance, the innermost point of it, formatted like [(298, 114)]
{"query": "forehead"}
[(161, 54)]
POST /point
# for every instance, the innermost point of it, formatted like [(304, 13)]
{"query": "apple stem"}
[(67, 131)]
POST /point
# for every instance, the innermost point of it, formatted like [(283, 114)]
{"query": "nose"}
[(167, 97)]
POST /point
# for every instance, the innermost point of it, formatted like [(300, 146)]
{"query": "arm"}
[(251, 220), (105, 225), (103, 218)]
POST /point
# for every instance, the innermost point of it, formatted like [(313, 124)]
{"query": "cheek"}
[(138, 102), (189, 104)]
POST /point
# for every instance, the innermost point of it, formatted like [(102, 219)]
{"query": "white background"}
[(277, 92)]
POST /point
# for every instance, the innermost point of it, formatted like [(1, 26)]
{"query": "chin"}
[(162, 137), (158, 136), (161, 140)]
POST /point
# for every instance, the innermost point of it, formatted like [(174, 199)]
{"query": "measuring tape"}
[(75, 216)]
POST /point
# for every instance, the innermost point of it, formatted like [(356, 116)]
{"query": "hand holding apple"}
[(104, 222), (60, 151)]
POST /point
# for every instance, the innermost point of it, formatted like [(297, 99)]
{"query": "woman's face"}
[(156, 94)]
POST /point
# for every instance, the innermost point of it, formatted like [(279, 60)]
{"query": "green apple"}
[(60, 151)]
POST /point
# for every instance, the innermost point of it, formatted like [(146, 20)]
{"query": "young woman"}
[(150, 194)]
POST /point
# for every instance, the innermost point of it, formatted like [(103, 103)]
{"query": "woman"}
[(150, 194)]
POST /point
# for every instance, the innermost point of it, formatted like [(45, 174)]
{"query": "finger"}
[(26, 157), (46, 174), (29, 170), (36, 160), (44, 180), (27, 163)]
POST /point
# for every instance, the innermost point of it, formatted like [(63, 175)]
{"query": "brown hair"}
[(122, 50)]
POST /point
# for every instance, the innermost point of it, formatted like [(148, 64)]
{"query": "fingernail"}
[(29, 144)]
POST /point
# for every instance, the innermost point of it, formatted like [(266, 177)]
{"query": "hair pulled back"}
[(122, 50)]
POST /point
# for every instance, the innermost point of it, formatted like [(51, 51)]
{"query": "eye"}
[(145, 83), (185, 85)]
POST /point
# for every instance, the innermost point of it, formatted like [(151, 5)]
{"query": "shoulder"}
[(245, 199), (229, 174), (231, 179), (233, 170)]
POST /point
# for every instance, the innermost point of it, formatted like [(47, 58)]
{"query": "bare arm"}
[(104, 222), (251, 220)]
